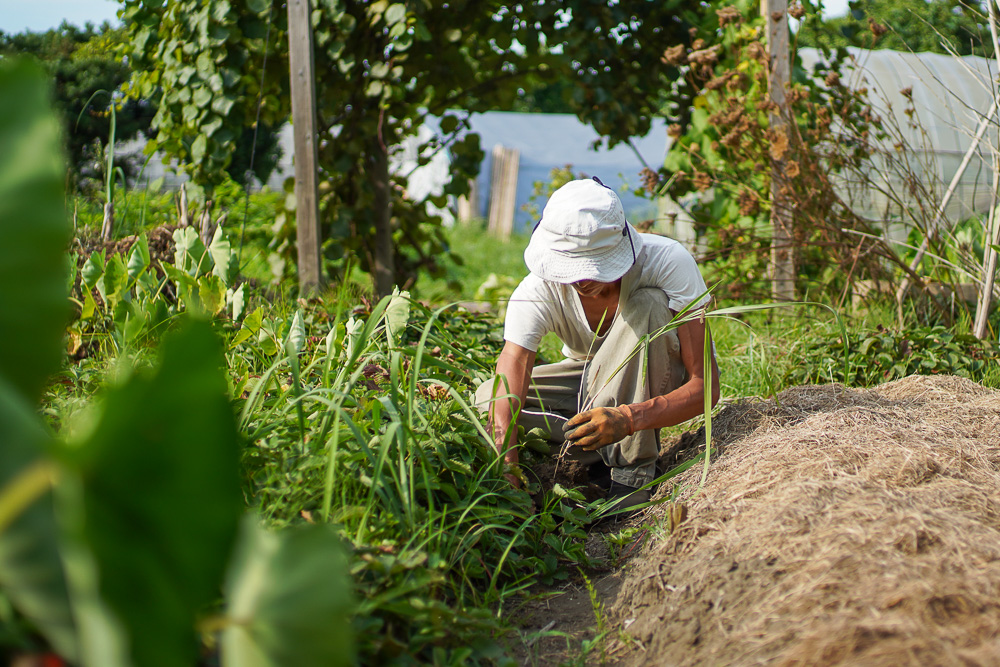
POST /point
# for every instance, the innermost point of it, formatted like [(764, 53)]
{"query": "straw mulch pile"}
[(837, 527)]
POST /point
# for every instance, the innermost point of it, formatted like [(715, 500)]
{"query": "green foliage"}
[(391, 452), (139, 299), (33, 233), (197, 60), (285, 607), (136, 469), (383, 68), (887, 354), (938, 26), (115, 537), (31, 572), (728, 160)]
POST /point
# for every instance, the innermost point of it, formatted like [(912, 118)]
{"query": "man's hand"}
[(599, 427)]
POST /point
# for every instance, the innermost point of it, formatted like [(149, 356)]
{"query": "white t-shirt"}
[(537, 306)]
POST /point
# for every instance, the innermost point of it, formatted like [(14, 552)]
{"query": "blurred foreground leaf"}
[(33, 230), (31, 573), (159, 497), (289, 602)]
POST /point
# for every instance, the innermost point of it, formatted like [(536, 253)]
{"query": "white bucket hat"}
[(583, 235)]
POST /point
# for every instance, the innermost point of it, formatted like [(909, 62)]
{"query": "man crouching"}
[(602, 288)]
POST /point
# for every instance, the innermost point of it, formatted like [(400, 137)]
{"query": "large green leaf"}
[(31, 573), (160, 496), (33, 230), (289, 601)]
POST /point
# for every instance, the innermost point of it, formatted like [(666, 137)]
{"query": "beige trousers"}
[(561, 390)]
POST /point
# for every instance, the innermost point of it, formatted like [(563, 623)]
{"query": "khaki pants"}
[(561, 390)]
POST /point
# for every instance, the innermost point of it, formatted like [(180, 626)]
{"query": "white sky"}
[(39, 15)]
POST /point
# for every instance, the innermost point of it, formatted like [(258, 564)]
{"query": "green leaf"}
[(449, 124), (202, 96), (212, 294), (238, 300), (251, 326), (395, 14), (190, 254), (138, 259), (397, 314), (112, 285), (159, 496), (33, 230), (31, 572), (226, 262), (296, 338), (93, 269), (258, 6), (198, 148), (289, 601)]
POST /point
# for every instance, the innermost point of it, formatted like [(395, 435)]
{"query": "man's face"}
[(590, 288)]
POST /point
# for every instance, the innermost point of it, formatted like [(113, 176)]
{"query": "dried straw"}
[(837, 527)]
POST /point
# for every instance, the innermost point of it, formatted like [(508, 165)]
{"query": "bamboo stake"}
[(904, 287), (990, 261)]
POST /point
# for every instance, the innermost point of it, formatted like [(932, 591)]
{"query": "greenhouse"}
[(950, 98)]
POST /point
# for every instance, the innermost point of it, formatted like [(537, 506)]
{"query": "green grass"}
[(480, 255)]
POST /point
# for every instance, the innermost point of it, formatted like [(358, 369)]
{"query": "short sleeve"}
[(667, 265), (686, 282), (528, 318)]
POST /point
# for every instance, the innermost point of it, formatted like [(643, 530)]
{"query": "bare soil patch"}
[(836, 527)]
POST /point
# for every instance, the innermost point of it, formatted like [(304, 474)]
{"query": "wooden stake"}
[(303, 83), (108, 228), (468, 205), (182, 207), (782, 238), (503, 191)]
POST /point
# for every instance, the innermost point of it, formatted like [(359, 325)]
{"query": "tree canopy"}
[(937, 26), (383, 68), (81, 62)]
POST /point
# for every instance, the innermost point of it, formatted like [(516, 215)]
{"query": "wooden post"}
[(303, 83), (503, 190), (782, 239), (468, 205)]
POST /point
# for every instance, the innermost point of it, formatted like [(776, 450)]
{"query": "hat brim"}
[(564, 267)]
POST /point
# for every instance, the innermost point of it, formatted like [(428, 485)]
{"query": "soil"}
[(160, 240), (835, 527)]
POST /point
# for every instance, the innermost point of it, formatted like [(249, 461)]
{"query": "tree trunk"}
[(384, 250)]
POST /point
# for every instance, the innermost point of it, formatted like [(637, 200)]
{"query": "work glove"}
[(599, 427)]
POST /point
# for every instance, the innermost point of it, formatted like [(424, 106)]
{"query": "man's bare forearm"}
[(513, 377), (680, 405)]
